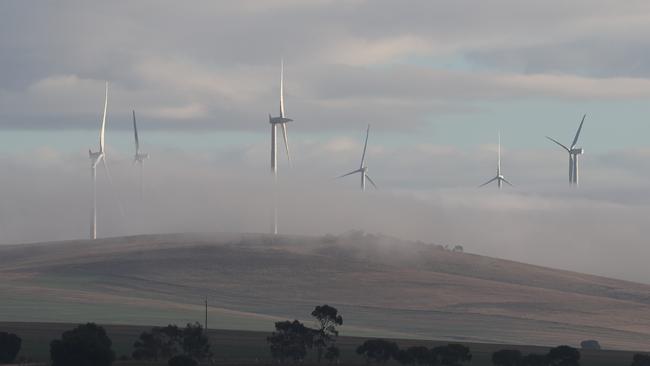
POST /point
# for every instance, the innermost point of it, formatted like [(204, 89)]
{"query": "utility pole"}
[(206, 315)]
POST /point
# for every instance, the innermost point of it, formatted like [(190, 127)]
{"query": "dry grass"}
[(383, 286)]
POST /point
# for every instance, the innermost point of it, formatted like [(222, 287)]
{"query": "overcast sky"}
[(436, 79)]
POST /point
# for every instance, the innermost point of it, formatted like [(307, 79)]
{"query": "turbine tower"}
[(96, 158), (499, 177), (282, 121), (363, 169), (574, 152), (139, 156)]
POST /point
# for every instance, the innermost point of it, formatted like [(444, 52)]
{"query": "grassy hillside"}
[(383, 287)]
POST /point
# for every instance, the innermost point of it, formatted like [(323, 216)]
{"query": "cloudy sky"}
[(436, 79)]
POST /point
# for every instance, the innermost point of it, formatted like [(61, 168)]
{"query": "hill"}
[(383, 287)]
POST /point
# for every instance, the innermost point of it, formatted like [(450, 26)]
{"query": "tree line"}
[(291, 342)]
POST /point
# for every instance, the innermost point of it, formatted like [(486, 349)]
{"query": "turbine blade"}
[(365, 145), (282, 89), (575, 139), (564, 147), (505, 180), (286, 141), (350, 173), (371, 182), (135, 132), (488, 182), (101, 132), (499, 155)]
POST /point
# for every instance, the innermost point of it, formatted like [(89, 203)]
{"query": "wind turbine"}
[(574, 152), (96, 158), (139, 157), (281, 120), (499, 177), (363, 169)]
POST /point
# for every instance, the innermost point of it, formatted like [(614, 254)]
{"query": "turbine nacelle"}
[(95, 157), (141, 157), (279, 120), (577, 151)]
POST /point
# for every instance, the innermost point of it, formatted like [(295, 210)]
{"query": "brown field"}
[(383, 287)]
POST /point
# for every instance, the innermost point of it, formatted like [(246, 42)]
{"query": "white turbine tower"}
[(96, 158), (363, 169), (281, 120), (139, 156), (499, 177), (574, 152)]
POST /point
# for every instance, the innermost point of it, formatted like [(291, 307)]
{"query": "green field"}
[(249, 348)]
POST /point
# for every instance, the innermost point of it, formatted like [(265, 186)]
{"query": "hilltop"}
[(382, 286)]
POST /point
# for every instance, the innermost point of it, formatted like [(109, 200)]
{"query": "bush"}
[(534, 360), (195, 342), (590, 344), (82, 346), (452, 354), (564, 356), (506, 357), (640, 360), (332, 354), (182, 360), (9, 347), (378, 350)]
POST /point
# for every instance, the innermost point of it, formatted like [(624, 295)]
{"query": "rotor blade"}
[(575, 139), (488, 182), (350, 173), (371, 182), (110, 182), (505, 180), (499, 155), (135, 132), (101, 132), (564, 147), (286, 141), (282, 88), (365, 145)]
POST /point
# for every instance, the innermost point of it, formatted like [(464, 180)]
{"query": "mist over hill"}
[(383, 286)]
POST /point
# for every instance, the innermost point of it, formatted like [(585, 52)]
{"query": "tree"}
[(590, 344), (82, 346), (332, 354), (328, 318), (195, 342), (640, 360), (534, 360), (506, 357), (451, 354), (417, 355), (159, 343), (564, 356), (290, 340), (378, 350), (9, 347), (182, 360)]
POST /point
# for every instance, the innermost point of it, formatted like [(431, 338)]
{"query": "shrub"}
[(9, 347), (182, 360), (378, 350), (506, 357), (82, 346)]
